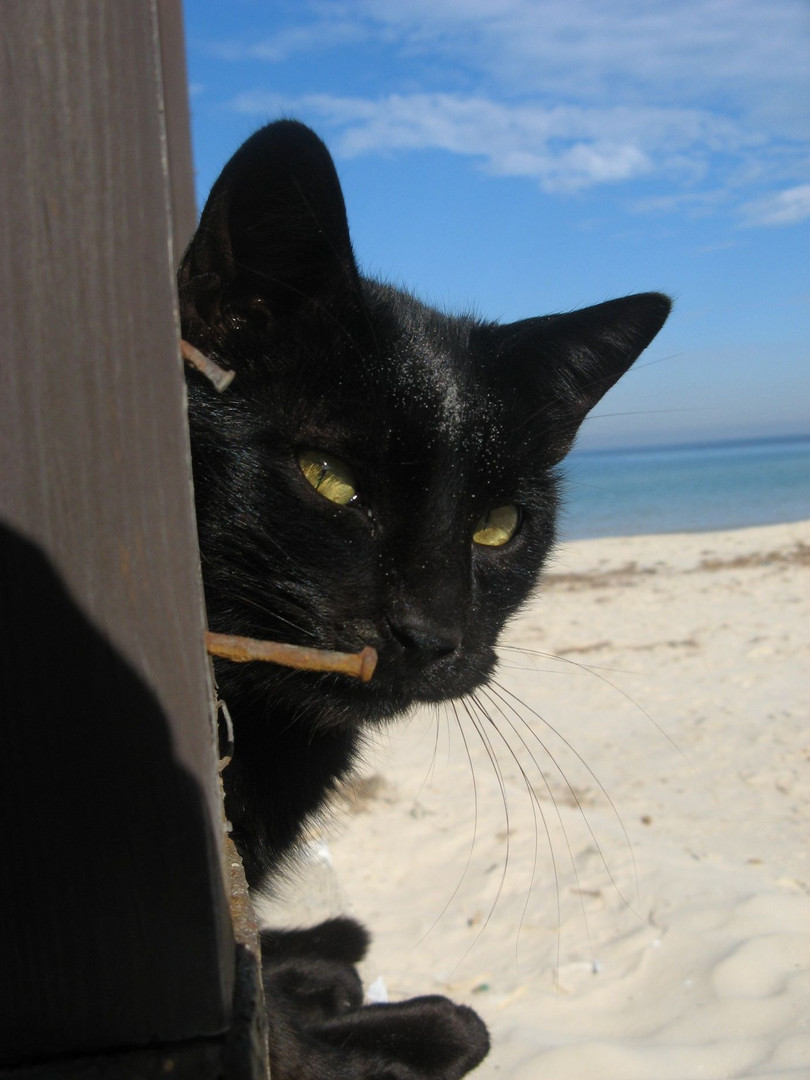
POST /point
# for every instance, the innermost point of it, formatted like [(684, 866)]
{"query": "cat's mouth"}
[(420, 658), (404, 679), (412, 669)]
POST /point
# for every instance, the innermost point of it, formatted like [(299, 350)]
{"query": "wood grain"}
[(114, 924)]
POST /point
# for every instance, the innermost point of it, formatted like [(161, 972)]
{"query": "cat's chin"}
[(388, 698), (339, 702)]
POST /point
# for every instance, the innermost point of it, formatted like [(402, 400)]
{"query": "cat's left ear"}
[(564, 364), (273, 235)]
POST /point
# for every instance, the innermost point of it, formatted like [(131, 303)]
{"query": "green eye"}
[(328, 475), (497, 526)]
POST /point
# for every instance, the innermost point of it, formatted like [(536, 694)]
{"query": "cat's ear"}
[(564, 364), (273, 234)]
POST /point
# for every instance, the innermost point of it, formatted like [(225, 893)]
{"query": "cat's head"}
[(378, 472)]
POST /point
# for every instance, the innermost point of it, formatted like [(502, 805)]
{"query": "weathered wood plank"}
[(114, 928), (174, 77)]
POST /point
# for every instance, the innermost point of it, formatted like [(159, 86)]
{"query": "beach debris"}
[(377, 992)]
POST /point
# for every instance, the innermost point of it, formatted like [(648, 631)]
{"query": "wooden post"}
[(115, 931)]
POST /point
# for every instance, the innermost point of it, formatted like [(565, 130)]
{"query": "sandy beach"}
[(608, 855)]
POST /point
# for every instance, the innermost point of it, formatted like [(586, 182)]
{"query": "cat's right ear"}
[(273, 235), (562, 365)]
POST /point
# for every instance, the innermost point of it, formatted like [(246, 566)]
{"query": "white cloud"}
[(690, 50), (564, 148), (780, 208), (701, 96), (745, 56), (294, 40)]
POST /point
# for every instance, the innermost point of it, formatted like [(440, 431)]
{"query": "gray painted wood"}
[(114, 927)]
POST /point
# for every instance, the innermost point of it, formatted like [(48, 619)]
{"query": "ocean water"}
[(695, 488)]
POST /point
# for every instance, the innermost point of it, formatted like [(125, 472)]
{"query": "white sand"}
[(654, 922)]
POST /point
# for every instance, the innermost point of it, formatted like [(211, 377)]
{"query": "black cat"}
[(378, 473)]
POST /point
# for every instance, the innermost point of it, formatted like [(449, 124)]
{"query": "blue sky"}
[(519, 157)]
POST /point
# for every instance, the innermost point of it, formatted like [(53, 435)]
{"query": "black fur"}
[(320, 1031), (440, 418)]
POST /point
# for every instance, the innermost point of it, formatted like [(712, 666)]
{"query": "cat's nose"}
[(419, 635)]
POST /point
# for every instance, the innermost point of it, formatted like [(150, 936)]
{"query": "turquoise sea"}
[(693, 488)]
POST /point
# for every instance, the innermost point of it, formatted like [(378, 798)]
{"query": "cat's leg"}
[(320, 1030), (340, 938)]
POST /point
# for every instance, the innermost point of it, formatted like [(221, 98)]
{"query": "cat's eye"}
[(328, 475), (497, 526)]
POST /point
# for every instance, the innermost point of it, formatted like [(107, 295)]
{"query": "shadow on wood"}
[(105, 822)]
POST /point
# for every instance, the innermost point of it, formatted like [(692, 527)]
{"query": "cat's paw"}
[(320, 1030), (309, 975), (425, 1038), (311, 991)]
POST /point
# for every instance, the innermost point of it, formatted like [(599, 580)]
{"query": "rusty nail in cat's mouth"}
[(359, 665)]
